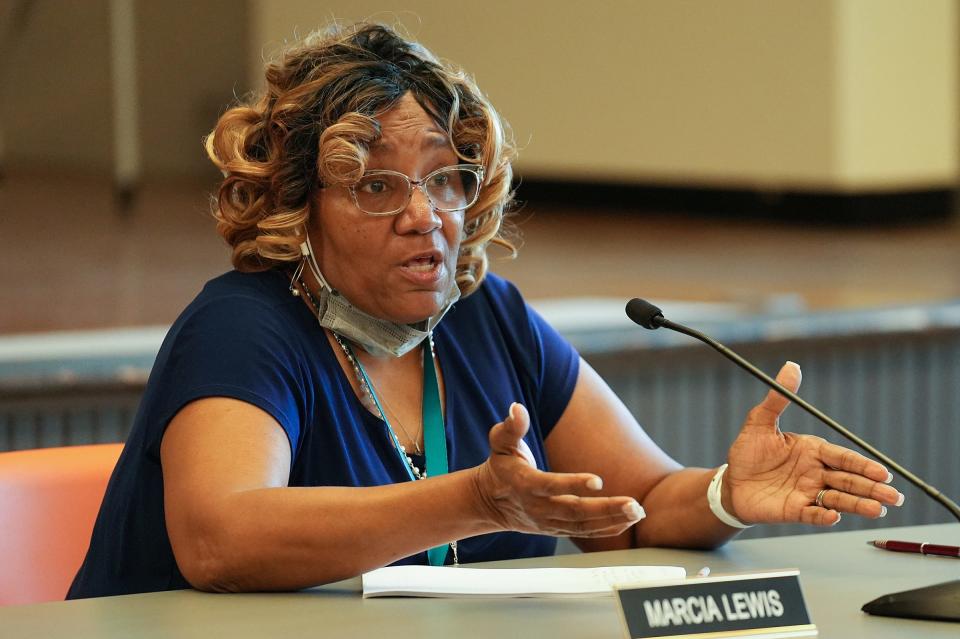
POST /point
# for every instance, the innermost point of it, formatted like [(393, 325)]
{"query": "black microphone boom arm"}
[(649, 316), (933, 602)]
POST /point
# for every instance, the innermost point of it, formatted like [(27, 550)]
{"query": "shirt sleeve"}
[(557, 369), (546, 362), (236, 348)]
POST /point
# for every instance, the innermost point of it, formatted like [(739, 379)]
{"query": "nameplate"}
[(768, 604)]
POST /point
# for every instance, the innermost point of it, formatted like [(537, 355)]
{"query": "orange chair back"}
[(49, 499)]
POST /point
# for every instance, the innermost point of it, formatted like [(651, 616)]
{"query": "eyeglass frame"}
[(477, 169)]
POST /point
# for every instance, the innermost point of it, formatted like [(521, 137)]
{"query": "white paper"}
[(449, 581)]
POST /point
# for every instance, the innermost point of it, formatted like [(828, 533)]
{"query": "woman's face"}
[(401, 267)]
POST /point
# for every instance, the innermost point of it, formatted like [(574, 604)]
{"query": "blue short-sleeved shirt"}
[(247, 338)]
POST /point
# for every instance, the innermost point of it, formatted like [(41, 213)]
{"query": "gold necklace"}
[(417, 472), (413, 440)]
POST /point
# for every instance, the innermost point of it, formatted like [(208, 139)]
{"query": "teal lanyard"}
[(434, 436)]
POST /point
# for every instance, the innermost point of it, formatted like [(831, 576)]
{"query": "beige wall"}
[(55, 88), (192, 59), (840, 94), (56, 109), (896, 83), (844, 94)]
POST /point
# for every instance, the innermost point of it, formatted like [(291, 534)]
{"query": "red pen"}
[(912, 546)]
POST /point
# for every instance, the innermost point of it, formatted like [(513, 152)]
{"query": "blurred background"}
[(781, 173)]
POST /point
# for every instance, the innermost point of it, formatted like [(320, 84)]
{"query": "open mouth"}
[(422, 264)]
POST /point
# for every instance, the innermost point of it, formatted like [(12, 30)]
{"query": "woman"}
[(273, 453)]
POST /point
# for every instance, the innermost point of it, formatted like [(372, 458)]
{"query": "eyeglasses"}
[(450, 188)]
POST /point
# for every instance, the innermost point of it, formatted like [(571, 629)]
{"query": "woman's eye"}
[(374, 186), (440, 180)]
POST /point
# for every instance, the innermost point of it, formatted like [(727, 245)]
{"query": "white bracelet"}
[(716, 506)]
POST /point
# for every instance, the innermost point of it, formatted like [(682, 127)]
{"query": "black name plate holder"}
[(767, 604)]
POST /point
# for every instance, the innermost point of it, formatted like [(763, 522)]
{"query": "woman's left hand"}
[(776, 477)]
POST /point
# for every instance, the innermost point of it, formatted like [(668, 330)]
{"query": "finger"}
[(505, 437), (842, 458), (610, 531), (524, 451), (605, 525), (858, 485), (816, 516), (856, 504), (549, 484), (616, 509), (585, 531), (788, 377)]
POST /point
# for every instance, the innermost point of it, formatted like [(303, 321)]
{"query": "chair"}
[(49, 499)]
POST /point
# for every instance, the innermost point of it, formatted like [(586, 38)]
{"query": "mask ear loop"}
[(304, 251)]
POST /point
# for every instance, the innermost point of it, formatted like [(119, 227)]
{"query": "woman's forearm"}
[(234, 525), (678, 514), (292, 538)]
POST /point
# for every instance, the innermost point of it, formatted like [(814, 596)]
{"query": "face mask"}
[(376, 336)]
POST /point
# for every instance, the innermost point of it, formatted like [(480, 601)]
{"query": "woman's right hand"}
[(515, 495)]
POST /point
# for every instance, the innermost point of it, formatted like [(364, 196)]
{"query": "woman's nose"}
[(419, 216)]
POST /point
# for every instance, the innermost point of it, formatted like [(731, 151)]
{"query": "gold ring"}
[(819, 500)]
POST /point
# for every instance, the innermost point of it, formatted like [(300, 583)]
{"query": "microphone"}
[(934, 602), (645, 314)]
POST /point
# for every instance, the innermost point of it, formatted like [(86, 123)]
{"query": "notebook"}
[(450, 581)]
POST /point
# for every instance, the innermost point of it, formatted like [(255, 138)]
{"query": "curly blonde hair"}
[(313, 126)]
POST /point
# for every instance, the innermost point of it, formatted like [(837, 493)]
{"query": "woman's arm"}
[(597, 434), (773, 476), (234, 525)]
